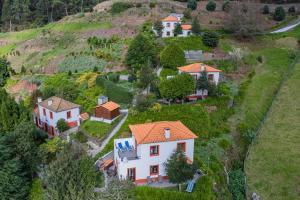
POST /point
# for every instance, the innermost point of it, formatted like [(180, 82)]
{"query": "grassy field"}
[(273, 164), (96, 129)]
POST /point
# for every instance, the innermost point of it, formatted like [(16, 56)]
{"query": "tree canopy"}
[(4, 73), (141, 51), (177, 87), (196, 30), (172, 56)]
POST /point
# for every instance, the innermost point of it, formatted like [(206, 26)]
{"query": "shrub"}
[(172, 56), (187, 13), (279, 14), (260, 59), (226, 5), (196, 26), (211, 6), (144, 102), (81, 63), (113, 77), (177, 30), (152, 4), (210, 39), (237, 184), (62, 125), (192, 4), (265, 10), (292, 10), (119, 7)]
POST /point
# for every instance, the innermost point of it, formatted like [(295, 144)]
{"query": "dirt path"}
[(288, 27)]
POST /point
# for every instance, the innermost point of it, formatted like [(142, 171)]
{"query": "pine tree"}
[(196, 30), (202, 82)]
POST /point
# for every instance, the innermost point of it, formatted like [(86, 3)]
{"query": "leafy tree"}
[(141, 51), (265, 10), (143, 102), (177, 168), (118, 190), (210, 39), (177, 30), (23, 70), (62, 125), (18, 161), (178, 87), (146, 77), (4, 73), (211, 6), (192, 4), (202, 82), (158, 27), (292, 10), (226, 5), (279, 14), (70, 176), (172, 56), (187, 14), (196, 30)]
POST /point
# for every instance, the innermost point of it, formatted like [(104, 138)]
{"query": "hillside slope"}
[(272, 167)]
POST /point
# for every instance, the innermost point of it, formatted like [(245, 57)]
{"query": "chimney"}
[(50, 102), (102, 100), (39, 99), (202, 67), (167, 133)]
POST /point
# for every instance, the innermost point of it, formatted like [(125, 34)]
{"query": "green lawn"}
[(273, 164), (96, 129), (188, 43), (77, 26)]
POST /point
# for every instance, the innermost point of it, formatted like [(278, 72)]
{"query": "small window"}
[(154, 150), (51, 115), (69, 115), (181, 146), (168, 33), (44, 111), (154, 169), (168, 24), (210, 77)]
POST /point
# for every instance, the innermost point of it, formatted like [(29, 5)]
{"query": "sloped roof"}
[(84, 116), (154, 132), (110, 105), (170, 18), (197, 67), (58, 104), (186, 27)]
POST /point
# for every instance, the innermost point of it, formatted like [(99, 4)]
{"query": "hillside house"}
[(48, 112), (195, 69), (142, 156), (169, 23), (106, 111)]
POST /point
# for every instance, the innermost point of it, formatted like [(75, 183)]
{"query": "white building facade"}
[(51, 110), (147, 158), (195, 70), (169, 23)]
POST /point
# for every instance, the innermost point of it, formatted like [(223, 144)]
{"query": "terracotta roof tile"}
[(197, 67), (84, 116), (186, 27), (170, 18), (58, 104), (110, 105), (154, 132)]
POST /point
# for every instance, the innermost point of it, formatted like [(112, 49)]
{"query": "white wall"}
[(168, 29), (59, 115), (143, 164)]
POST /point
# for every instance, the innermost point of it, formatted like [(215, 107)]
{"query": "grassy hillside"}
[(273, 164)]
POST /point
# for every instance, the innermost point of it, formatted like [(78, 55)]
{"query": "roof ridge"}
[(179, 128), (153, 125), (60, 99)]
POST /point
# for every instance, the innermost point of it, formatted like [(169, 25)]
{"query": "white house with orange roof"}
[(195, 69), (169, 23), (50, 111), (142, 156)]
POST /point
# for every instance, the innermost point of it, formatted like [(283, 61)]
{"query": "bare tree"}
[(244, 19)]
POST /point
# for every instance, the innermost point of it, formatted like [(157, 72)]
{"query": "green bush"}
[(210, 39), (144, 102), (114, 77), (265, 10), (172, 56), (279, 14), (237, 184), (211, 6), (192, 4), (119, 7), (226, 5), (292, 10), (152, 4), (36, 192), (80, 137)]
